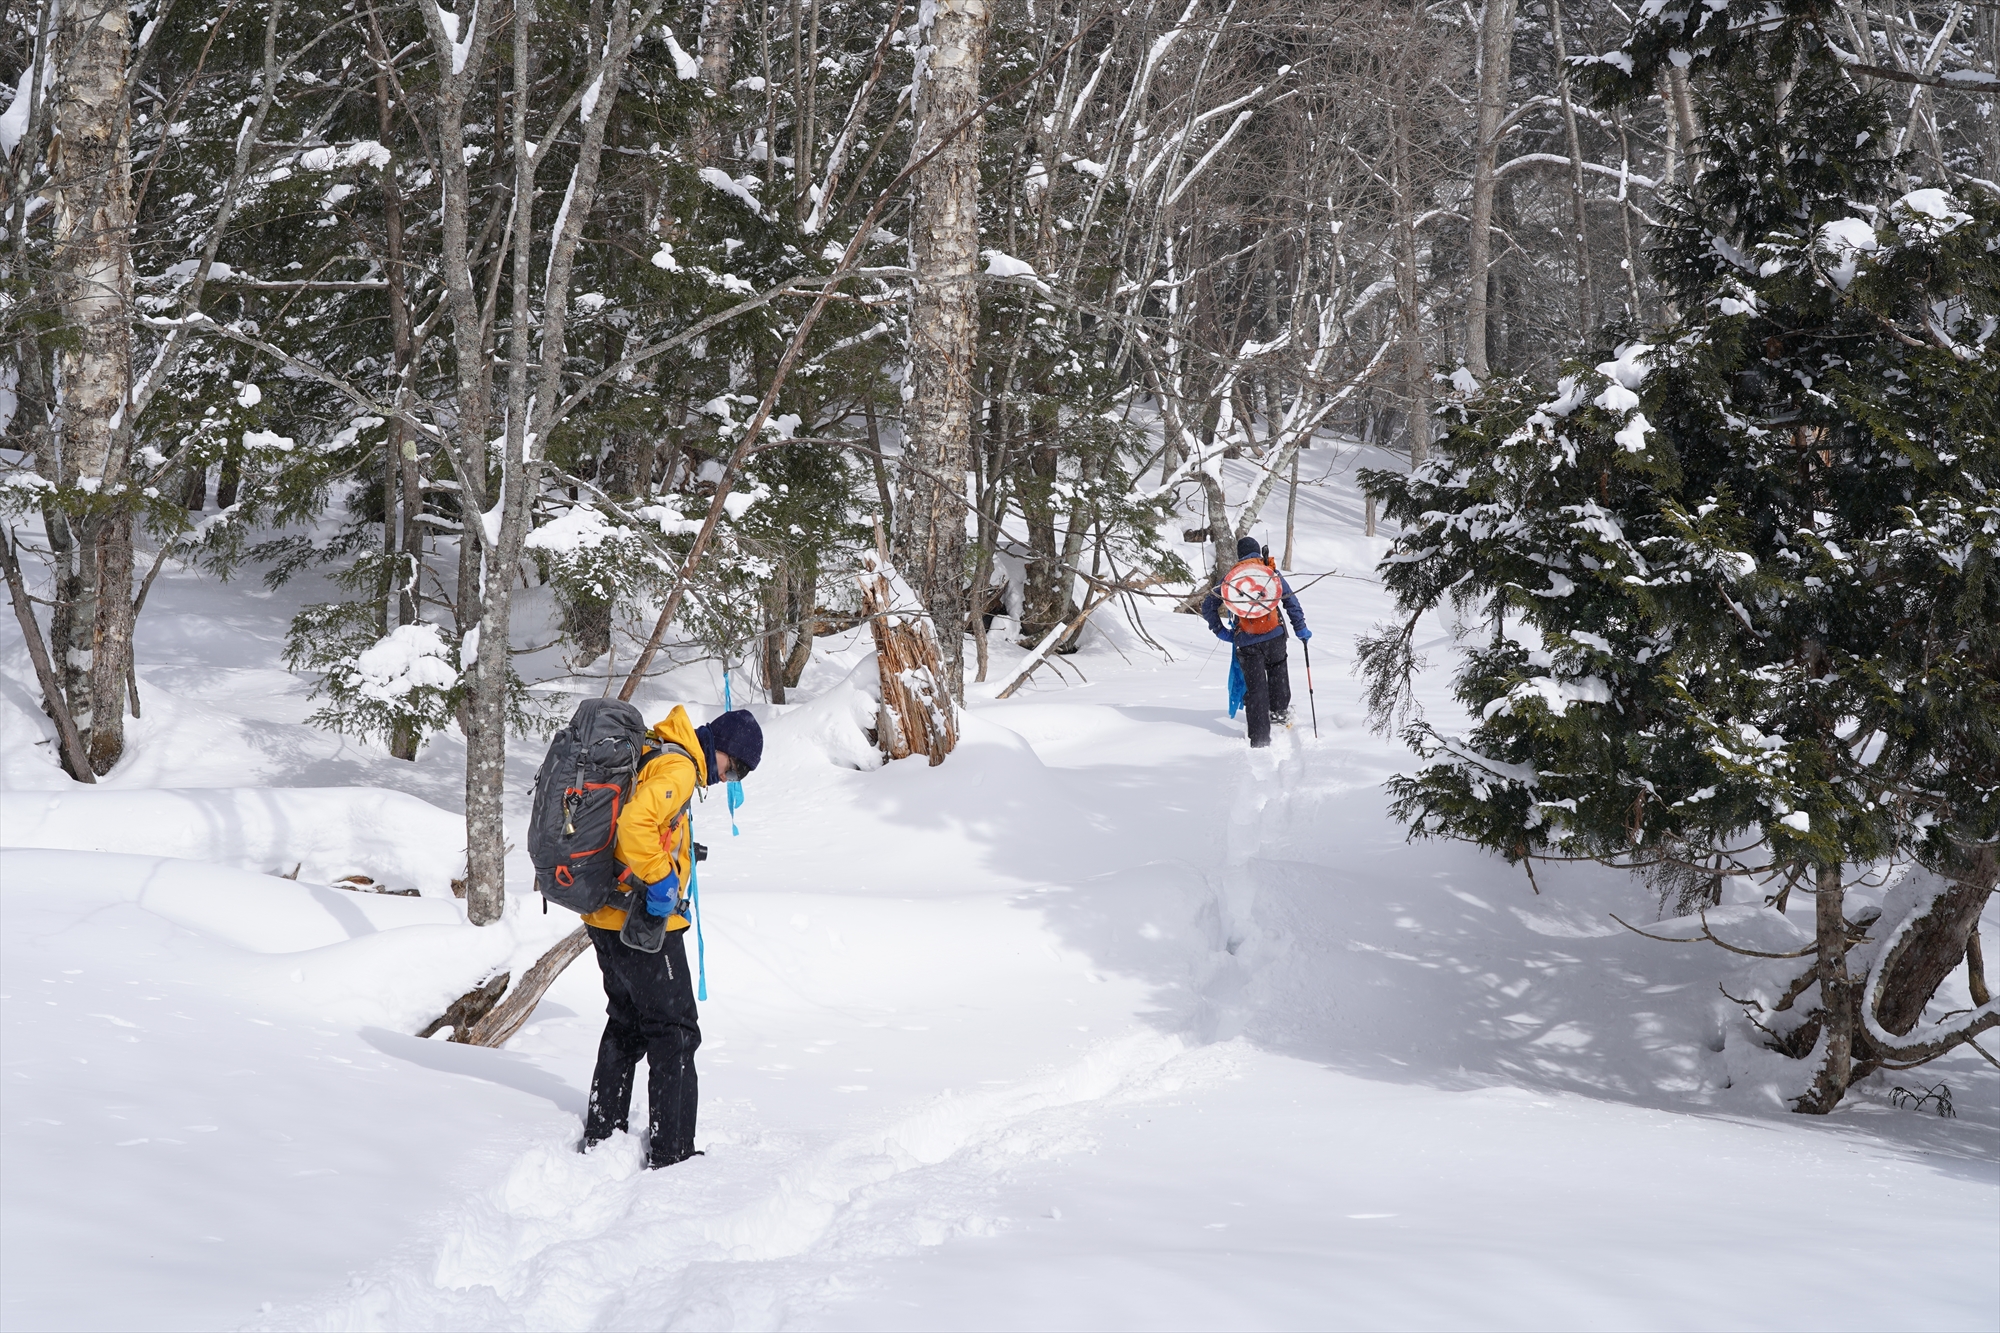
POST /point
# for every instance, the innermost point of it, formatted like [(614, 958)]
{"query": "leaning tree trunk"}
[(944, 252), (1921, 951), (92, 273), (505, 1017), (490, 1013), (1930, 951)]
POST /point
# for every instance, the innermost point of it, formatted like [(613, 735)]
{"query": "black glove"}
[(642, 930)]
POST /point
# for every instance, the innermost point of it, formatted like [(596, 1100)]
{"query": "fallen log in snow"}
[(1061, 634)]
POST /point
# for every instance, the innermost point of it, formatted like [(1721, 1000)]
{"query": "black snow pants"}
[(652, 1014), (1267, 685)]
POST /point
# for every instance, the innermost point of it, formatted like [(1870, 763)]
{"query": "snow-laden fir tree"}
[(1731, 594)]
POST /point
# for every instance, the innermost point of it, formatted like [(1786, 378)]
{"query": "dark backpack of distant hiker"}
[(582, 786), (1253, 593)]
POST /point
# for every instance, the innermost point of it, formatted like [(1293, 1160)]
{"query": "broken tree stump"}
[(504, 1019), (468, 1008), (918, 714), (482, 1017)]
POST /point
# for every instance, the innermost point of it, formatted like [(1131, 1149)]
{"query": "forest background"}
[(669, 307)]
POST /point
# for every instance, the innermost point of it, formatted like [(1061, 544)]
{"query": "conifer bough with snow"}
[(1730, 598)]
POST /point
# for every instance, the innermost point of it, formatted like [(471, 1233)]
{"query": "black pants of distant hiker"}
[(1267, 685), (652, 1014)]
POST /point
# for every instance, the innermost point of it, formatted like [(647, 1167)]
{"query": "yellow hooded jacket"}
[(654, 838)]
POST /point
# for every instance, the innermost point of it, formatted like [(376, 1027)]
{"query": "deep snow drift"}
[(1106, 1022)]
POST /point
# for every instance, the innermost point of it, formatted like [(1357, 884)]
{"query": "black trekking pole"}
[(1310, 702)]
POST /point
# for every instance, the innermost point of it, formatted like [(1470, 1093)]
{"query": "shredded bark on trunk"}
[(918, 715)]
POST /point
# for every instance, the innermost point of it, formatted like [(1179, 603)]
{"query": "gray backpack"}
[(583, 784)]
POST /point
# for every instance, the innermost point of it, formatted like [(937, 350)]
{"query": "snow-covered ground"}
[(1106, 1022)]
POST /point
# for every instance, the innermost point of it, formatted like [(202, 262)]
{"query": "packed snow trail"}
[(1106, 1022)]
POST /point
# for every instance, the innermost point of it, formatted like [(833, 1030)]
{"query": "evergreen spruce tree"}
[(1736, 586)]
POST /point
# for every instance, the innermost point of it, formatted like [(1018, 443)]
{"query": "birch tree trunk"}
[(92, 274), (718, 34), (1496, 51), (1291, 512), (944, 250), (1687, 128)]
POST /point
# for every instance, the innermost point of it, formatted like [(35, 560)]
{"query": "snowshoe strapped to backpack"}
[(582, 785), (1253, 593)]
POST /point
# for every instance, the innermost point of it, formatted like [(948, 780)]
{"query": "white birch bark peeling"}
[(944, 315), (92, 264)]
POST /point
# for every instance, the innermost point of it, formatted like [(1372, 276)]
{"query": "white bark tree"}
[(944, 315), (91, 263)]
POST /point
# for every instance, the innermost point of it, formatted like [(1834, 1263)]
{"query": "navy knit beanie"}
[(737, 735), (1246, 548)]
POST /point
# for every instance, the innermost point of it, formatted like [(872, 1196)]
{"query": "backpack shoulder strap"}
[(654, 749)]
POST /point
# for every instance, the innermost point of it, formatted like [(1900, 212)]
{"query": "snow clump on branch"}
[(408, 659)]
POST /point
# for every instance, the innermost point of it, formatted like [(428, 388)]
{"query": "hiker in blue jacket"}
[(1252, 593)]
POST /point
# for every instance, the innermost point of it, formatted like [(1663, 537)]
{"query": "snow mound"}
[(834, 727), (304, 951), (323, 833)]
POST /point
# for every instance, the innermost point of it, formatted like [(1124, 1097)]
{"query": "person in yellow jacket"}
[(641, 950)]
